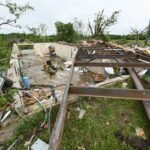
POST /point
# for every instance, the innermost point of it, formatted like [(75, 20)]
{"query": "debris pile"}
[(42, 74), (133, 141)]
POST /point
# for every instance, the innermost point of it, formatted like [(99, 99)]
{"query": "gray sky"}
[(135, 13)]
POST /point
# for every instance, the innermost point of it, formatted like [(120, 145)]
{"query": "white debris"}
[(142, 73), (109, 70), (81, 114), (124, 85), (5, 116), (43, 101), (140, 133), (76, 69), (36, 90), (78, 109), (67, 69), (27, 143), (39, 145), (68, 64)]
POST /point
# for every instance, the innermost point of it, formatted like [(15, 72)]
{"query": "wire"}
[(12, 145), (49, 122), (43, 123), (44, 109), (31, 141)]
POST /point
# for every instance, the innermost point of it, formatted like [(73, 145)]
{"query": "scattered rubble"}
[(140, 133), (41, 74), (134, 141)]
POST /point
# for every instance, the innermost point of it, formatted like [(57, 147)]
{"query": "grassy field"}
[(102, 119), (4, 57), (96, 130), (130, 42)]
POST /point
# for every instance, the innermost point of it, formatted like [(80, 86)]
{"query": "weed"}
[(7, 98)]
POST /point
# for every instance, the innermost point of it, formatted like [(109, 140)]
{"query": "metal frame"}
[(79, 60), (114, 65), (110, 93)]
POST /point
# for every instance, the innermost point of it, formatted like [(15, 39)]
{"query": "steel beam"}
[(140, 94), (140, 86), (105, 56), (56, 137), (115, 65), (99, 49), (110, 93), (143, 56)]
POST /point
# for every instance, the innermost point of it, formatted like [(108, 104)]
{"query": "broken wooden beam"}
[(56, 137), (140, 86)]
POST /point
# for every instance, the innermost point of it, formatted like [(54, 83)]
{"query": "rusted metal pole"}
[(116, 65), (101, 49), (140, 94), (140, 86), (105, 56), (110, 93), (56, 137)]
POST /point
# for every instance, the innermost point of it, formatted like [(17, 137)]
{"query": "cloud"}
[(133, 12)]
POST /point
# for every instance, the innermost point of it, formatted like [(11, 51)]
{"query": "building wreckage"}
[(75, 71)]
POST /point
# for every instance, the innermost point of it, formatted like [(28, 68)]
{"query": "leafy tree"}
[(147, 34), (15, 12), (101, 24), (65, 31)]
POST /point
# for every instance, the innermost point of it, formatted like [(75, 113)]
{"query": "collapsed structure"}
[(117, 57), (57, 70)]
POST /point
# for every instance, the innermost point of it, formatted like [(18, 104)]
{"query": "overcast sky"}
[(135, 13)]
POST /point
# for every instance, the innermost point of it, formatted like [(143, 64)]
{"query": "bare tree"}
[(136, 33), (15, 12), (41, 30), (78, 26), (101, 24), (33, 30)]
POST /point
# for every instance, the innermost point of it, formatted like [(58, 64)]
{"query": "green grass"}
[(124, 41), (5, 53), (103, 117), (146, 78), (96, 130), (7, 98)]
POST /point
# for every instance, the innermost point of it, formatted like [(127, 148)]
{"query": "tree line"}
[(70, 32)]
